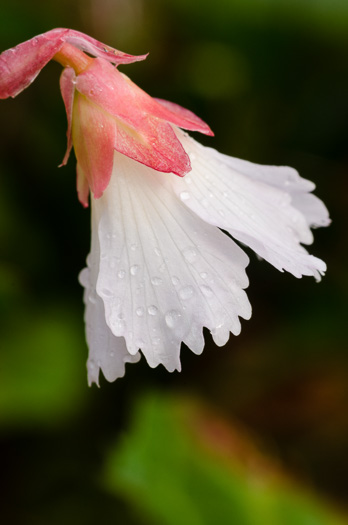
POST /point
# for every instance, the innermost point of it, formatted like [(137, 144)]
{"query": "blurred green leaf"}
[(42, 378), (182, 464)]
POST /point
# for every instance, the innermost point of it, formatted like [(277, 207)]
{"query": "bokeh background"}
[(252, 433)]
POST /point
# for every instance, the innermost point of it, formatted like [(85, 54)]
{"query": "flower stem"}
[(70, 56)]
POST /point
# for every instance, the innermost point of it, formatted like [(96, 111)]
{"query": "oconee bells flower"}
[(160, 268)]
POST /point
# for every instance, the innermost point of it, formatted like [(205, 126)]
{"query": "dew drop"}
[(186, 292), (112, 354), (134, 269), (121, 274), (139, 342), (156, 281), (106, 292), (188, 179), (91, 364), (206, 290), (162, 268), (92, 299), (156, 341), (139, 311), (204, 275), (172, 317), (157, 251), (118, 328), (120, 315), (152, 310), (189, 254), (133, 247), (175, 280), (192, 156), (184, 195)]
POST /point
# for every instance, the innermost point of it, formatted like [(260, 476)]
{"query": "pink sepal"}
[(94, 133), (184, 118), (67, 89), (20, 65), (141, 135), (82, 186), (98, 49)]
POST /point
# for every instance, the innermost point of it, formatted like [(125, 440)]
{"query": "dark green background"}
[(271, 78)]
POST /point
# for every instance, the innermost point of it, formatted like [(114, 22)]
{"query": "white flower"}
[(160, 269)]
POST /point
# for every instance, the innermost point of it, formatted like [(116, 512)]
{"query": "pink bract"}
[(105, 110), (20, 65)]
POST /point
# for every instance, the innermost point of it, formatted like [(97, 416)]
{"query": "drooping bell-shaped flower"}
[(160, 268)]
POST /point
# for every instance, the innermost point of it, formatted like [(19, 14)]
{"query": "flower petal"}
[(181, 117), (164, 273), (82, 186), (289, 180), (106, 352), (236, 196), (67, 89), (20, 65), (140, 135), (98, 49), (94, 135)]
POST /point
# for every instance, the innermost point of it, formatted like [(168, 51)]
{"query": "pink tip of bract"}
[(184, 118), (20, 65)]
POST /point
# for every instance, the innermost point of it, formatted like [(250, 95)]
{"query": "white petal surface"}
[(255, 205), (288, 180), (163, 272), (106, 352)]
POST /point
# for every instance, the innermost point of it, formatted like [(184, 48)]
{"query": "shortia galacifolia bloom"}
[(160, 268)]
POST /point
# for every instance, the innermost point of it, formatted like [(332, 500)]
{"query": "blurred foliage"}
[(271, 79), (181, 463)]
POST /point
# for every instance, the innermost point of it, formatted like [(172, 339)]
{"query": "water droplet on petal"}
[(139, 311), (91, 364), (121, 274), (172, 317), (133, 247), (190, 254), (206, 290), (204, 275), (106, 292), (175, 280), (186, 292), (156, 281), (184, 195), (112, 354), (134, 269), (157, 251), (152, 310)]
